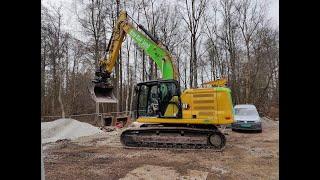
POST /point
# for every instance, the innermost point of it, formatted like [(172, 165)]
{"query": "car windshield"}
[(245, 112)]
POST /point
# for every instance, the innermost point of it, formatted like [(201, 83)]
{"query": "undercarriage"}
[(174, 136)]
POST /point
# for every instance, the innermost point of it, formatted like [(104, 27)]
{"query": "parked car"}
[(246, 118)]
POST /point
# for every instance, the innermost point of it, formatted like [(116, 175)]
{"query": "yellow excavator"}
[(169, 118)]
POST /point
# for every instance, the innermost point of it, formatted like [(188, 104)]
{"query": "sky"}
[(72, 26), (274, 12)]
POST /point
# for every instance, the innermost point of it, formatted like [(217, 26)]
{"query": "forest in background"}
[(209, 39)]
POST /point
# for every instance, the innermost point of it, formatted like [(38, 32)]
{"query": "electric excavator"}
[(169, 118)]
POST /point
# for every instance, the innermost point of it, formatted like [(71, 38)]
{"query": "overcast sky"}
[(71, 25), (274, 12)]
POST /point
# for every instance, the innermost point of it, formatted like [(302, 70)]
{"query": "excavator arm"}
[(102, 91), (153, 49)]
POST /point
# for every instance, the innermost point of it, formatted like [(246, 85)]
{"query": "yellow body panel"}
[(219, 82), (200, 106), (182, 121)]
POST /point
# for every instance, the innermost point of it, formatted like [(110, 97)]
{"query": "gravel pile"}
[(66, 129)]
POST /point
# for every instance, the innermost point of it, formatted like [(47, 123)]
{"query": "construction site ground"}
[(101, 156)]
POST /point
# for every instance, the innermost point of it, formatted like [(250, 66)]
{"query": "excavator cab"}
[(159, 98)]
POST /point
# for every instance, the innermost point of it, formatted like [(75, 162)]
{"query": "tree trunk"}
[(185, 77), (116, 84), (121, 89), (143, 66), (134, 77), (195, 63), (43, 66), (60, 100), (191, 64), (128, 92), (128, 78), (54, 89), (150, 76)]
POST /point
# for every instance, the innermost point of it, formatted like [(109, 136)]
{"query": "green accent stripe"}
[(222, 89), (157, 54)]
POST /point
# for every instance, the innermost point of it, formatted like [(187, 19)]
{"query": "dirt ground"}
[(246, 156)]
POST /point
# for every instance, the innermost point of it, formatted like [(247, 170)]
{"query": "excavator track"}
[(173, 138)]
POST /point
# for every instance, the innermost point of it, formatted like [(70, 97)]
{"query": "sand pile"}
[(66, 129)]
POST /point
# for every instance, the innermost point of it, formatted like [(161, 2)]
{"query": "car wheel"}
[(259, 131)]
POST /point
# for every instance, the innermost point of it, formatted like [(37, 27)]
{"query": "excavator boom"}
[(102, 89)]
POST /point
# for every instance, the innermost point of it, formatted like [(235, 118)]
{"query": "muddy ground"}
[(246, 156)]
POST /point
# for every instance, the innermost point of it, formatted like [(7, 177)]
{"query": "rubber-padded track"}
[(171, 137)]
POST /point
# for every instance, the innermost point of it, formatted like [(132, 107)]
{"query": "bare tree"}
[(56, 44), (195, 12), (228, 36), (250, 15), (93, 21), (207, 39)]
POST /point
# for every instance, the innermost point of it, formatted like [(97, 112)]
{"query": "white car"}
[(246, 118)]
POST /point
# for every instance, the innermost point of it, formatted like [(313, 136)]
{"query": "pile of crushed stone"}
[(66, 129)]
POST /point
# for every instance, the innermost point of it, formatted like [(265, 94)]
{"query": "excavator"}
[(168, 118)]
